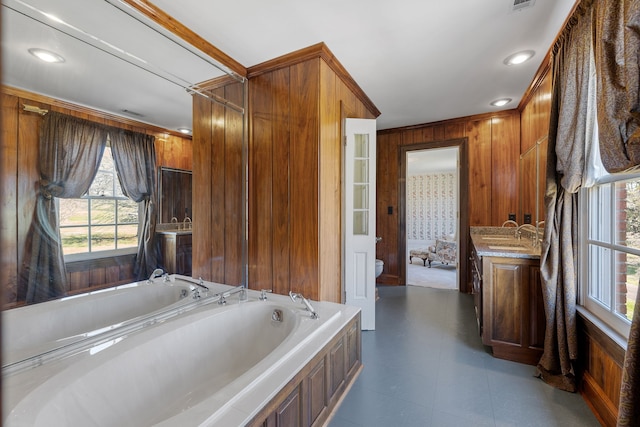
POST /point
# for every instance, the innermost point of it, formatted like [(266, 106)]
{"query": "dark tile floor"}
[(425, 365)]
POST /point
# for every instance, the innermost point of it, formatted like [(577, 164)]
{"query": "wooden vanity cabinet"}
[(176, 250), (512, 308)]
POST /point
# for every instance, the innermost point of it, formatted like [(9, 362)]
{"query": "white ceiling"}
[(418, 60)]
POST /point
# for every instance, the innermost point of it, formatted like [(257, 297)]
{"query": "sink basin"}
[(509, 247), (497, 237)]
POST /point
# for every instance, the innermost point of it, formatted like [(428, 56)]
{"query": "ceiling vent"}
[(521, 4), (132, 113)]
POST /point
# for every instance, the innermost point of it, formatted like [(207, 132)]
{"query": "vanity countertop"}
[(501, 242)]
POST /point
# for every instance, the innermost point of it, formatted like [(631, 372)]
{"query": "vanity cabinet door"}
[(183, 254), (513, 313), (176, 250)]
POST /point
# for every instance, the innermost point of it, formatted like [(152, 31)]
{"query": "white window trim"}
[(86, 256), (617, 328), (615, 336)]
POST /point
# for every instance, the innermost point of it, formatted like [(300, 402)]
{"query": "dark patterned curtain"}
[(617, 59), (70, 153), (571, 135), (134, 156)]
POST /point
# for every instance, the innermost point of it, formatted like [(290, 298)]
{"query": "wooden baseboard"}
[(388, 279)]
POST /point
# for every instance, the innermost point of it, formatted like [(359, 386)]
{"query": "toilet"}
[(379, 267)]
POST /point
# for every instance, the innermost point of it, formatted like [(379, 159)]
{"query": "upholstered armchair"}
[(445, 251)]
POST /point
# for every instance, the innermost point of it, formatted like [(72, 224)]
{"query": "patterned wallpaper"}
[(431, 205)]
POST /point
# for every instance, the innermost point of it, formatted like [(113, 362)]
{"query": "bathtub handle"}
[(307, 304), (263, 294)]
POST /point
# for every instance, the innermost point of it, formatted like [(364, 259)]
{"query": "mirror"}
[(532, 183), (174, 193), (119, 64)]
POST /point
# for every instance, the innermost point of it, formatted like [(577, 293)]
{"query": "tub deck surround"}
[(216, 365), (33, 334)]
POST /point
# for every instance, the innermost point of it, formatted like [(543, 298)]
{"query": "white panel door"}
[(360, 218)]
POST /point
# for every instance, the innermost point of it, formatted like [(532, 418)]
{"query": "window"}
[(104, 219), (611, 251)]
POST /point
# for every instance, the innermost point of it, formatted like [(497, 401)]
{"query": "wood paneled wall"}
[(599, 371), (174, 151), (19, 175), (494, 147), (297, 104), (218, 185), (84, 276)]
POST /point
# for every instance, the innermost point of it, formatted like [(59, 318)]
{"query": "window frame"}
[(604, 314)]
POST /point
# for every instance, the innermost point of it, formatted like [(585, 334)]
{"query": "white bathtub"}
[(39, 329), (213, 366)]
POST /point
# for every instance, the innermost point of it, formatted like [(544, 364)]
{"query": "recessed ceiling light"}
[(501, 102), (186, 131), (519, 57), (46, 56)]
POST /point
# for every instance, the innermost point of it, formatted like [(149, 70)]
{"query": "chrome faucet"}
[(222, 296), (510, 221), (198, 286), (263, 294), (156, 273), (200, 283), (174, 220), (186, 221), (533, 228), (306, 303)]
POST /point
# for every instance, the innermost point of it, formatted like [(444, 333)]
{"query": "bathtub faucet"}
[(198, 285), (239, 289), (156, 273), (306, 303)]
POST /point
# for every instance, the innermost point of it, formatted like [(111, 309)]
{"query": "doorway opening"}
[(434, 221), (432, 214)]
